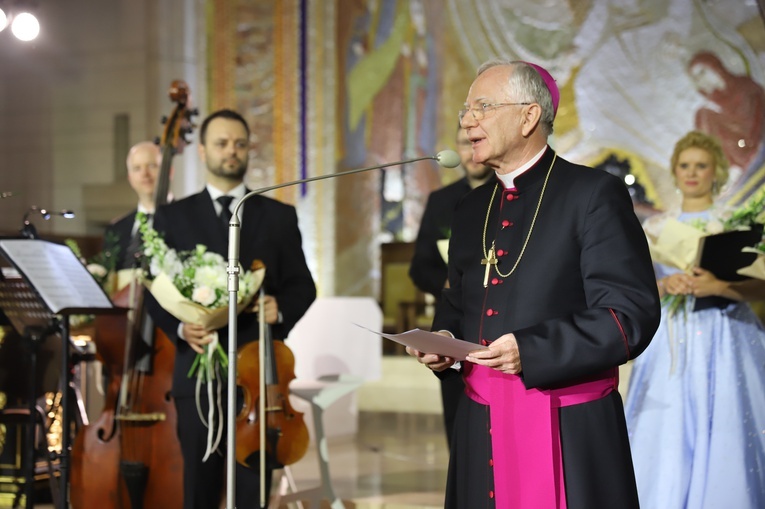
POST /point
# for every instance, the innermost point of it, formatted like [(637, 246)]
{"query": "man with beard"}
[(269, 233), (428, 268)]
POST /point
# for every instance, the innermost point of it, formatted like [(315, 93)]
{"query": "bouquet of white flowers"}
[(677, 244), (193, 287)]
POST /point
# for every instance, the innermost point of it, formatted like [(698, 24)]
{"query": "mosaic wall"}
[(333, 85)]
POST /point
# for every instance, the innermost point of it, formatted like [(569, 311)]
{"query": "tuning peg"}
[(163, 120), (157, 140)]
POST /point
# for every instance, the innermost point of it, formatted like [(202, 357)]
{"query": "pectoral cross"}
[(491, 259)]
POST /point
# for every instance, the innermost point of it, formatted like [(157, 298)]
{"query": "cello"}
[(130, 457)]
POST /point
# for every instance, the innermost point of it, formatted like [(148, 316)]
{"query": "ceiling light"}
[(25, 26)]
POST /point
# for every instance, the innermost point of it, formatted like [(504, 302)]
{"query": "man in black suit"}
[(428, 267), (269, 233), (143, 165)]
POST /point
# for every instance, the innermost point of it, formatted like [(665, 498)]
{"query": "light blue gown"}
[(696, 410)]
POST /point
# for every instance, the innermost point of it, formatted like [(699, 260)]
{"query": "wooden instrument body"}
[(287, 436), (130, 457)]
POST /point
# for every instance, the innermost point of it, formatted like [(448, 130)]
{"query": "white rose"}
[(210, 276), (204, 295), (714, 227), (171, 265), (96, 269), (154, 267), (210, 258)]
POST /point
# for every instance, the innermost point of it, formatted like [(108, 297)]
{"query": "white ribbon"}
[(215, 401)]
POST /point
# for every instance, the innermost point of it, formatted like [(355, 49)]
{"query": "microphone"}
[(445, 158), (448, 159)]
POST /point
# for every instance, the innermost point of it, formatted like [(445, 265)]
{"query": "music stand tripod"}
[(51, 285)]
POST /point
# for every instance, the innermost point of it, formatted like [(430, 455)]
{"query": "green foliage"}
[(674, 303), (749, 214), (104, 263)]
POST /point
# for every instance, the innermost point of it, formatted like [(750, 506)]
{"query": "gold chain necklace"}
[(489, 257)]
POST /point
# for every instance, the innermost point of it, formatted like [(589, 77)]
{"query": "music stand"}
[(33, 322), (51, 285)]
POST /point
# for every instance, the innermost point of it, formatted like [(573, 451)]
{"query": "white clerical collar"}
[(508, 179)]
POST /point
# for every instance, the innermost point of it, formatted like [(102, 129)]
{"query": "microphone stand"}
[(28, 230), (446, 158)]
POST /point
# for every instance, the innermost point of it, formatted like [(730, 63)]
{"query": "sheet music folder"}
[(721, 255), (60, 280)]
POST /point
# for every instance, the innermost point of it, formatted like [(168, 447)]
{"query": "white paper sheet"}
[(53, 270), (430, 342)]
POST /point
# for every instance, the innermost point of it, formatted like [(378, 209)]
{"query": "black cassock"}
[(582, 300)]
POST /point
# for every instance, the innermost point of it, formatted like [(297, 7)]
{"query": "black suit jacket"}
[(269, 233), (428, 268), (118, 235)]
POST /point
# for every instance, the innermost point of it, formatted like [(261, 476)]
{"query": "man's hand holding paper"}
[(437, 349), (433, 361), (501, 355)]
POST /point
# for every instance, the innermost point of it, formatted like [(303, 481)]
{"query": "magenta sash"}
[(525, 434)]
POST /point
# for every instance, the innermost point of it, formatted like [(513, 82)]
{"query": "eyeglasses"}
[(484, 109)]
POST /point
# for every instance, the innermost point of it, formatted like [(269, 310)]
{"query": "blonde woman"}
[(696, 401)]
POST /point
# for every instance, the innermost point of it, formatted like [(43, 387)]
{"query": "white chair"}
[(333, 357), (321, 394)]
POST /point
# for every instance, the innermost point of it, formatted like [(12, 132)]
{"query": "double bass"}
[(130, 457)]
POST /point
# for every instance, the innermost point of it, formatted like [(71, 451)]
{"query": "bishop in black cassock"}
[(550, 272)]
